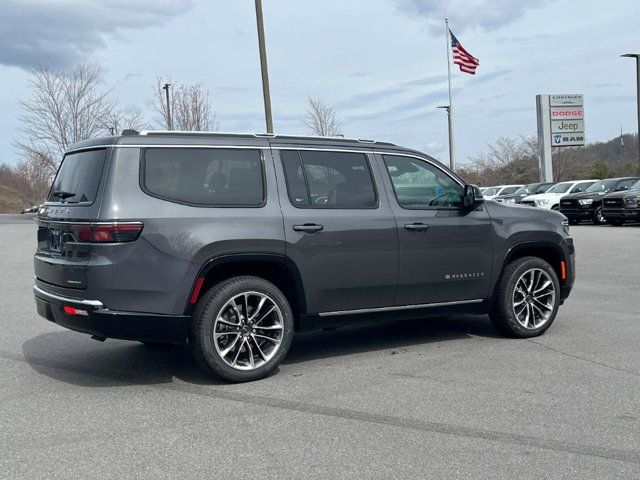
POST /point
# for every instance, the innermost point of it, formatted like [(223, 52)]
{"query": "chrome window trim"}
[(424, 159), (401, 307)]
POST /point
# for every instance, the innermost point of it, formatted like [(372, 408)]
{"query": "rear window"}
[(204, 176), (78, 178)]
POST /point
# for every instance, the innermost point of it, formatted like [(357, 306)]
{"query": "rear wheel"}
[(528, 298), (598, 217), (241, 329)]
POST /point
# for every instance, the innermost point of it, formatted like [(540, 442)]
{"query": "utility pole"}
[(637, 57), (263, 66), (169, 121)]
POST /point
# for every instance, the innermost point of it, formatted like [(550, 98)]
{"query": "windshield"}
[(525, 189), (601, 186), (78, 178), (491, 191), (560, 188), (635, 186)]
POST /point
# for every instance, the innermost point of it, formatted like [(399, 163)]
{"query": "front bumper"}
[(577, 213), (104, 323), (622, 214)]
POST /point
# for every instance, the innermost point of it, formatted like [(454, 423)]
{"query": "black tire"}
[(203, 324), (503, 316), (598, 218)]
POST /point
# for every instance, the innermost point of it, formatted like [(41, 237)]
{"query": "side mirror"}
[(471, 196)]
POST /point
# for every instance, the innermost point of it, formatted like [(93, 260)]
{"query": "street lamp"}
[(637, 57), (169, 122)]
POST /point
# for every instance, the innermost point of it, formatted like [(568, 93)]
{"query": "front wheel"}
[(598, 217), (241, 329), (528, 298)]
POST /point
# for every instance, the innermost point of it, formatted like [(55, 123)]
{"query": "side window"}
[(204, 176), (418, 184), (328, 179), (625, 184)]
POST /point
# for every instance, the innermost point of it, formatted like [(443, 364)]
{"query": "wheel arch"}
[(275, 268), (548, 251)]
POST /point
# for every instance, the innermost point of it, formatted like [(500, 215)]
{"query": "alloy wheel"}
[(534, 298), (248, 330)]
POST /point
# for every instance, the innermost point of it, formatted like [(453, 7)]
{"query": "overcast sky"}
[(380, 63)]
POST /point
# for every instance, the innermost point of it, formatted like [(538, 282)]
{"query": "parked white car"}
[(551, 198), (491, 192)]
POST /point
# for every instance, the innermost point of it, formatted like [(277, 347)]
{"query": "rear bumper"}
[(105, 323)]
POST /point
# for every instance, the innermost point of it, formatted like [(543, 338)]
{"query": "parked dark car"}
[(525, 190), (233, 242), (621, 207), (587, 206)]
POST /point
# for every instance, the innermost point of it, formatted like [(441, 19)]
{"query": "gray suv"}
[(234, 242)]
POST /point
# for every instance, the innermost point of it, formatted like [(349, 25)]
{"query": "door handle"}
[(308, 228), (416, 227)]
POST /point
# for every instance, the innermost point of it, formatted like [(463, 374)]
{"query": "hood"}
[(544, 196), (583, 195), (623, 194)]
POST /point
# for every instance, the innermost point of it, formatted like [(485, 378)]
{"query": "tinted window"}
[(329, 179), (204, 176), (418, 184), (625, 184), (581, 187), (509, 190), (78, 177), (296, 184), (543, 188), (560, 188)]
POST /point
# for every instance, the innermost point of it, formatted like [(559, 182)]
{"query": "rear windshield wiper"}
[(61, 194)]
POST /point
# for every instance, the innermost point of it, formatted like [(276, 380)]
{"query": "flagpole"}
[(452, 148)]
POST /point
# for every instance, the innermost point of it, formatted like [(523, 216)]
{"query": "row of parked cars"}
[(613, 200)]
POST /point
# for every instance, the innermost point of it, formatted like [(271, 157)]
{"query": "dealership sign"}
[(560, 124)]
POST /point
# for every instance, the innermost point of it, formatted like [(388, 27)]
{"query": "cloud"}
[(59, 33), (485, 14)]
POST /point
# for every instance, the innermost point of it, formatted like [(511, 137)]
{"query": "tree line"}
[(66, 107), (516, 161)]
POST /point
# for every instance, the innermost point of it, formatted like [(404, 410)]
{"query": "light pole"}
[(169, 122), (637, 57), (263, 66)]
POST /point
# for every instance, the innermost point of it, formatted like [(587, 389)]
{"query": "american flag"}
[(467, 62)]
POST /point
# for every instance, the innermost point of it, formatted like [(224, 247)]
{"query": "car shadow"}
[(74, 358)]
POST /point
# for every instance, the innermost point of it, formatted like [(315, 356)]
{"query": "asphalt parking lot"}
[(437, 398)]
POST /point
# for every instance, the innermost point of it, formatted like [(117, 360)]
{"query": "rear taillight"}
[(106, 232), (74, 311)]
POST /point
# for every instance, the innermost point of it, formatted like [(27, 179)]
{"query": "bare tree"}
[(119, 120), (321, 119), (191, 107), (65, 107)]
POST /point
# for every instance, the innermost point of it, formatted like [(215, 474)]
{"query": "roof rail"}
[(259, 135)]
